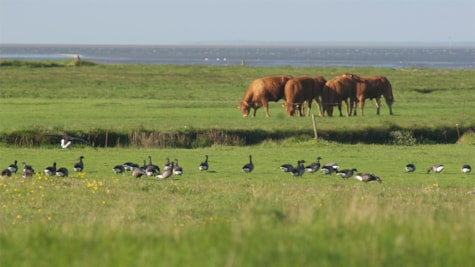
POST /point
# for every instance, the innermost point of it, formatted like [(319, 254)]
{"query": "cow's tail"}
[(389, 93)]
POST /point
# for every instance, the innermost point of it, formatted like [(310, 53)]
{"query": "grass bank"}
[(186, 102)]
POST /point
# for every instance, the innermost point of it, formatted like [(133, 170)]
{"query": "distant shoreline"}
[(245, 44)]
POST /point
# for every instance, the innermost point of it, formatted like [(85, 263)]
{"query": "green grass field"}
[(225, 217)]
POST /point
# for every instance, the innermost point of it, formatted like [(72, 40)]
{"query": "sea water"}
[(262, 56)]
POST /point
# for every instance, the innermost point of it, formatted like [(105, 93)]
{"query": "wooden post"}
[(107, 137), (458, 131), (314, 127)]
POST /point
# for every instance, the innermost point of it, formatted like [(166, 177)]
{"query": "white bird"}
[(67, 140)]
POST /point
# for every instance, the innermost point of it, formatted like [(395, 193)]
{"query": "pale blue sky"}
[(162, 22)]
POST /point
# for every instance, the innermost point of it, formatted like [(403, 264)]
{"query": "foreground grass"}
[(227, 218)]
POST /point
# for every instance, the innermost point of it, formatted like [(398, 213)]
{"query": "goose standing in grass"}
[(437, 168), (314, 166), (286, 167), (329, 168), (177, 169), (410, 167), (13, 167), (346, 173), (166, 173), (248, 167), (119, 169), (62, 172), (28, 171), (144, 166), (129, 166), (151, 168), (167, 165), (367, 177), (466, 168), (299, 170), (137, 172), (79, 166), (6, 173), (204, 165), (51, 170)]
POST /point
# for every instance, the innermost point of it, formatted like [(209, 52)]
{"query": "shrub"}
[(403, 138)]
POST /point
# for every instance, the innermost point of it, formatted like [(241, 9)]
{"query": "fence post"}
[(107, 138), (314, 127)]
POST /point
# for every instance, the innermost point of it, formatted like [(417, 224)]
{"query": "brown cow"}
[(338, 90), (303, 89), (261, 91), (372, 87)]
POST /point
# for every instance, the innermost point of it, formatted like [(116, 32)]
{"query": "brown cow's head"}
[(351, 76), (244, 107), (292, 109)]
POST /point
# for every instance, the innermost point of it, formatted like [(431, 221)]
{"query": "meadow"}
[(224, 217)]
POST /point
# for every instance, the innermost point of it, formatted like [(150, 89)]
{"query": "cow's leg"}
[(339, 109), (319, 106), (309, 104), (254, 113), (266, 108), (377, 102), (346, 107), (390, 105), (362, 107)]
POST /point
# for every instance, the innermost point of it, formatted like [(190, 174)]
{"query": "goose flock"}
[(28, 171), (332, 167), (173, 168), (328, 169)]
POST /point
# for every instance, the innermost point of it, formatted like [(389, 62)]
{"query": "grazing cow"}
[(303, 89), (261, 91), (338, 90), (372, 87)]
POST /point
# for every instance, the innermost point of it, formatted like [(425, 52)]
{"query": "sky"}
[(176, 22)]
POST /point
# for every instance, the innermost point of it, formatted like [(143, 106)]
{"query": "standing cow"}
[(300, 90), (372, 87), (337, 90), (261, 91)]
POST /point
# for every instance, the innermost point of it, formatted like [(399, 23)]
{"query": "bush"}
[(403, 138)]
